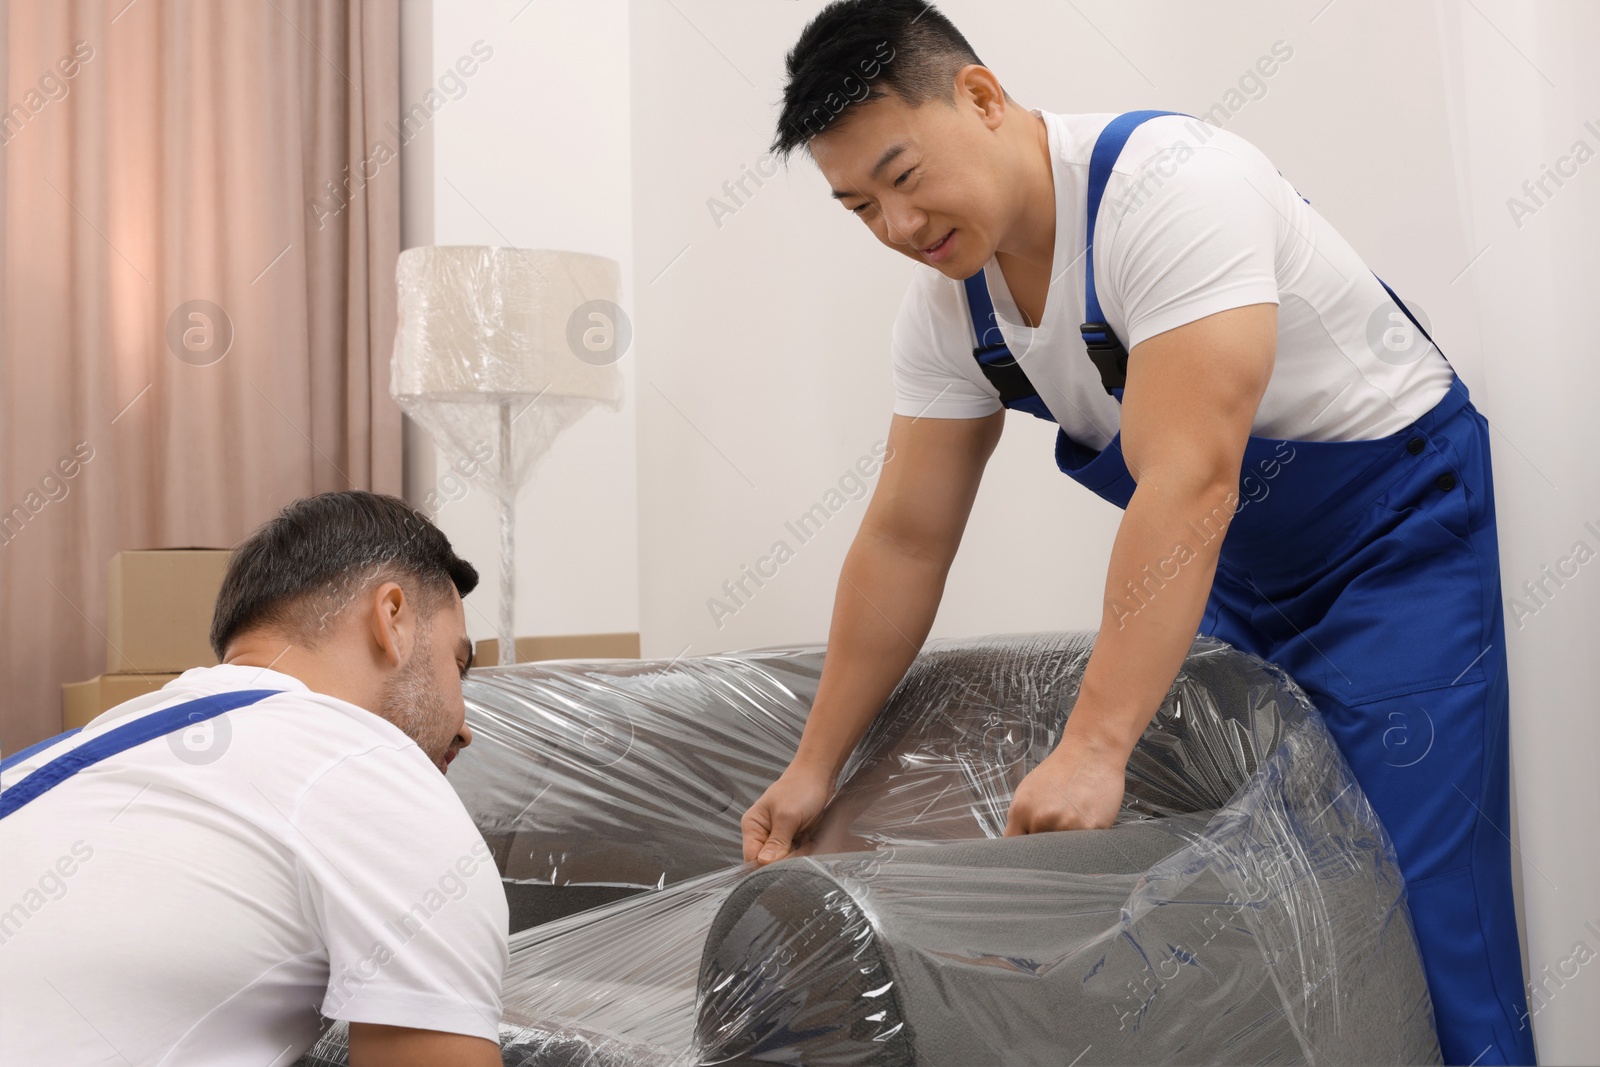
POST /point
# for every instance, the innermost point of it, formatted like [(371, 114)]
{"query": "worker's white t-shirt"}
[(1194, 220), (202, 897)]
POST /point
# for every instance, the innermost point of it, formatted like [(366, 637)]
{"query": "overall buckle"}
[(1107, 354)]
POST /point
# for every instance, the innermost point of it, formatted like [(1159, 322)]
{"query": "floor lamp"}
[(498, 351)]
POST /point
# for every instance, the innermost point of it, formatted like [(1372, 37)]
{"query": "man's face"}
[(423, 697), (925, 180)]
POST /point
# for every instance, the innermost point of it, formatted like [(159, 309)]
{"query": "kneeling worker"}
[(1157, 288), (207, 873)]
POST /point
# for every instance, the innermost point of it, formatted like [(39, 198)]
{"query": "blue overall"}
[(1369, 570)]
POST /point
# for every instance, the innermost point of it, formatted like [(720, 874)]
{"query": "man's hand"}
[(1079, 786), (788, 807)]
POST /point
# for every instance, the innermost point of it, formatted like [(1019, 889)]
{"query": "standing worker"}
[(1366, 562)]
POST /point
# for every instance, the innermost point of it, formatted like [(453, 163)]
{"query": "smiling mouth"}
[(931, 249)]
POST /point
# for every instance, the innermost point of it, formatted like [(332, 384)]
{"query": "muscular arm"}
[(1190, 400), (888, 595), (372, 1045)]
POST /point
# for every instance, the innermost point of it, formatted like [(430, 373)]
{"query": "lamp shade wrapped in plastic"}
[(484, 331)]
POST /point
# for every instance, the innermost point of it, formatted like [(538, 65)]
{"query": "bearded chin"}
[(411, 703)]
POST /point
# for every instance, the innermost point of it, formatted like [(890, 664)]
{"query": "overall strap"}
[(38, 746), (142, 729), (1407, 311), (994, 356), (1109, 356)]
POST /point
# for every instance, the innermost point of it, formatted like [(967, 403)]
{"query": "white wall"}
[(764, 370), (1524, 92), (760, 367), (535, 153)]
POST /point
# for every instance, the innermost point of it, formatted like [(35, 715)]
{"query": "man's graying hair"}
[(855, 50), (300, 569)]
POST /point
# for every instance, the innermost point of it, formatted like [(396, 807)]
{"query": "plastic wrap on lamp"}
[(490, 357), (1246, 908), (495, 356)]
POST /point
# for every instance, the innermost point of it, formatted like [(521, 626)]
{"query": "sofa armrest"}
[(627, 774), (921, 954), (1139, 944)]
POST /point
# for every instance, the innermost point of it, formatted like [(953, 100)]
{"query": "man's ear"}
[(392, 624), (977, 85)]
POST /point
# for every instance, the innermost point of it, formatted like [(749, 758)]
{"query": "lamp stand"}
[(508, 541)]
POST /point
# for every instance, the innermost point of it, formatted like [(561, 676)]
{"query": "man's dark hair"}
[(855, 50), (301, 569)]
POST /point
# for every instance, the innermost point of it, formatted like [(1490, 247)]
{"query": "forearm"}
[(885, 606), (1187, 411), (1162, 565), (372, 1045)]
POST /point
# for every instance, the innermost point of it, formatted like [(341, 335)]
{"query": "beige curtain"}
[(201, 220)]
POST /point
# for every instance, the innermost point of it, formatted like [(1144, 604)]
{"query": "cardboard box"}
[(561, 646), (159, 609), (83, 701)]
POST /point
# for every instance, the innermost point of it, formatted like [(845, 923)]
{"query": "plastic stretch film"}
[(489, 354), (1245, 909)]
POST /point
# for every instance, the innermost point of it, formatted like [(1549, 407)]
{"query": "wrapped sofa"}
[(1246, 908)]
